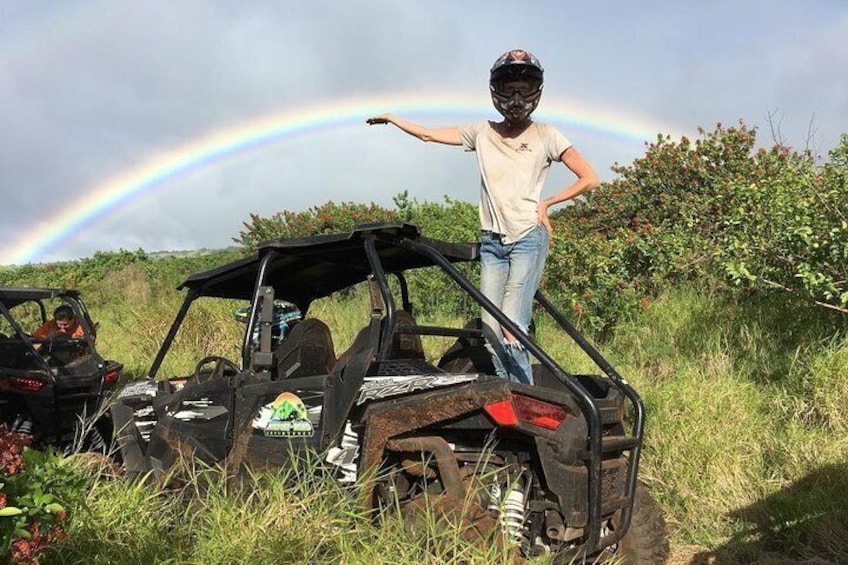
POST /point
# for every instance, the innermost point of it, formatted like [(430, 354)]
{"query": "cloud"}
[(89, 90)]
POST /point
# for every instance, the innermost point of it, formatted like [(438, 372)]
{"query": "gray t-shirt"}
[(512, 172)]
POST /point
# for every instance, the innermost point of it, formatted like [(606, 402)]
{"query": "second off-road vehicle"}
[(52, 388)]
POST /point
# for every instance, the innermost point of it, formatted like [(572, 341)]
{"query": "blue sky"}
[(91, 89)]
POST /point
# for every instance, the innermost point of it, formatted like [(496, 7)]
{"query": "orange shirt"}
[(49, 328)]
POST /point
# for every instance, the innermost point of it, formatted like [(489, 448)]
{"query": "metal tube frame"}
[(584, 399), (621, 383), (22, 334), (385, 292), (172, 333), (254, 311)]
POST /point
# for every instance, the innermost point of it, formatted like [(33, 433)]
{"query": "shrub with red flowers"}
[(716, 210), (34, 488)]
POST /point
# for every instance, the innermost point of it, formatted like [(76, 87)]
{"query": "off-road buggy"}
[(52, 389), (559, 459)]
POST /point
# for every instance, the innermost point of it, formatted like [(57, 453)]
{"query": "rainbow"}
[(267, 130)]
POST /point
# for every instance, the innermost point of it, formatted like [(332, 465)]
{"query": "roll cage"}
[(12, 297), (301, 270)]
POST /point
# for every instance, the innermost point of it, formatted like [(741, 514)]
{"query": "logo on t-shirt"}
[(523, 147)]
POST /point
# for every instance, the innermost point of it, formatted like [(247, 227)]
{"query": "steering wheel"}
[(218, 370)]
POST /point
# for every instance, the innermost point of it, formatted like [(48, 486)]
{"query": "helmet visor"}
[(524, 89), (523, 81)]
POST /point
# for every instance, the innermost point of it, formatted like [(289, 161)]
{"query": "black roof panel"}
[(305, 268), (11, 296)]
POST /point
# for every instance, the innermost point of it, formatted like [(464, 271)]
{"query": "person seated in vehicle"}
[(64, 322)]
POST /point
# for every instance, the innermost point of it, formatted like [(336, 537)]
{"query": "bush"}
[(715, 211), (326, 218), (789, 227), (454, 221), (34, 490)]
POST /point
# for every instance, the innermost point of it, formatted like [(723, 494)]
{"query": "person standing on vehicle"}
[(514, 156), (64, 322)]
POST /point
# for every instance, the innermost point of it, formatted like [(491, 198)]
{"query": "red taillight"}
[(503, 413), (508, 413), (26, 384), (539, 413), (110, 378)]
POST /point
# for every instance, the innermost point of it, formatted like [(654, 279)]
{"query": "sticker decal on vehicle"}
[(197, 409), (381, 387), (286, 416), (138, 388)]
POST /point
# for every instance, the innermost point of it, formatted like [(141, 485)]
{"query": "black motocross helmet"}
[(516, 104)]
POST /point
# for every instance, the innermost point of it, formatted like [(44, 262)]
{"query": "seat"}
[(468, 355), (405, 345), (306, 351), (364, 347), (14, 354)]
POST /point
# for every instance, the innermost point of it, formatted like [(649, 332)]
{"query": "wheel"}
[(645, 541)]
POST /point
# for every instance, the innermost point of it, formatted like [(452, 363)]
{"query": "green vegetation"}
[(35, 488), (746, 449), (715, 212), (712, 275)]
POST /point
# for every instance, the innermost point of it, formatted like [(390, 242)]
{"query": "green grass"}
[(746, 408), (746, 446), (288, 516)]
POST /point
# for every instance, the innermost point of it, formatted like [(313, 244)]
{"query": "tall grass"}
[(293, 515), (746, 407), (135, 314)]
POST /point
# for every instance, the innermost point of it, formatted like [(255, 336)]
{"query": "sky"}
[(163, 125)]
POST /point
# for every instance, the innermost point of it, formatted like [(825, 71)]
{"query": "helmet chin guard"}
[(516, 101), (516, 108)]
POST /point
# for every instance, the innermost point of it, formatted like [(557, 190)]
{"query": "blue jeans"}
[(509, 276)]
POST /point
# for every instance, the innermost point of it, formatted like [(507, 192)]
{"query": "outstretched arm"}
[(447, 135), (587, 180)]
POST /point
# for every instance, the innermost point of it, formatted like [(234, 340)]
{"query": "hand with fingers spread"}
[(379, 120)]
